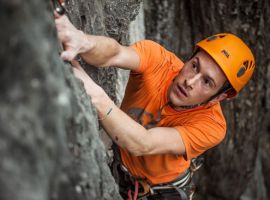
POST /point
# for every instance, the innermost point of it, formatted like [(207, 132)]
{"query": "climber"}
[(170, 113)]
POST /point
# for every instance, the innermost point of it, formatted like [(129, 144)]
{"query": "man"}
[(170, 113)]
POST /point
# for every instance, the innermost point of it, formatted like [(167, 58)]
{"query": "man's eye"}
[(206, 82), (194, 66)]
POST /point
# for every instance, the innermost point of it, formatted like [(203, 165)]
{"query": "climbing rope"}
[(136, 191)]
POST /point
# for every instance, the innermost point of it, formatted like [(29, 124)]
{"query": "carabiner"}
[(58, 7)]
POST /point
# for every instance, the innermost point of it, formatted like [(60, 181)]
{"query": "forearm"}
[(123, 130), (98, 50), (126, 132)]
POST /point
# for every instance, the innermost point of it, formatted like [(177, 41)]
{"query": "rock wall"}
[(137, 27), (49, 141)]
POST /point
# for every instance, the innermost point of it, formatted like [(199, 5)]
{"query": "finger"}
[(62, 37), (75, 71), (76, 64), (77, 74), (56, 15), (68, 55)]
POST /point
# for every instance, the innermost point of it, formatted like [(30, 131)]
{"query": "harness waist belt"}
[(179, 182)]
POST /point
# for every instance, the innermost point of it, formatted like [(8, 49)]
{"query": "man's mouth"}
[(180, 91)]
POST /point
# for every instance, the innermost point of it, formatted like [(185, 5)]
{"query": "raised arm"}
[(95, 50)]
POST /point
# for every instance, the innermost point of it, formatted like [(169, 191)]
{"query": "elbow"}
[(139, 144), (140, 149)]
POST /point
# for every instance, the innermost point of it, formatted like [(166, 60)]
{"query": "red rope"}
[(136, 191)]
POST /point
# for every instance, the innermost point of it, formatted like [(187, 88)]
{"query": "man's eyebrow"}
[(206, 76)]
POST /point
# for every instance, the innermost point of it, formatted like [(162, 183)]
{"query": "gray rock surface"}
[(49, 141), (137, 27)]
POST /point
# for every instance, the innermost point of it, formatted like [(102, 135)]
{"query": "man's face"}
[(200, 79)]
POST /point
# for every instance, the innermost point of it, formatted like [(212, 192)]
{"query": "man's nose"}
[(191, 81)]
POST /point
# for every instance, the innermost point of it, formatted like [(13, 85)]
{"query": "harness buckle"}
[(196, 163), (146, 188)]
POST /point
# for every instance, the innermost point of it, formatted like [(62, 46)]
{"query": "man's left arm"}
[(125, 131)]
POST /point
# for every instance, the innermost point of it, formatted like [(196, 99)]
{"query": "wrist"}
[(103, 104), (99, 99)]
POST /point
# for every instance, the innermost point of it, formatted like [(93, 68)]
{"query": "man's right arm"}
[(95, 50), (107, 52)]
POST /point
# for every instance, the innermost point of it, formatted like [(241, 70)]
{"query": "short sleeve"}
[(201, 136), (152, 55)]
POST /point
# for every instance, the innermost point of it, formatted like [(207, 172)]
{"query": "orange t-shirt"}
[(145, 101)]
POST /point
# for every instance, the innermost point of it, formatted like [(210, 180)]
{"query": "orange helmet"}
[(232, 55)]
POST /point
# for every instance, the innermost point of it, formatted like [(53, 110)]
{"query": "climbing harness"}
[(133, 188)]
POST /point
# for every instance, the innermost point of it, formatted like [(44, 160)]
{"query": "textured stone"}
[(49, 142)]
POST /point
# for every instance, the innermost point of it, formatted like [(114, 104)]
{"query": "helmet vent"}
[(250, 65), (246, 64), (214, 37), (211, 38), (241, 71)]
